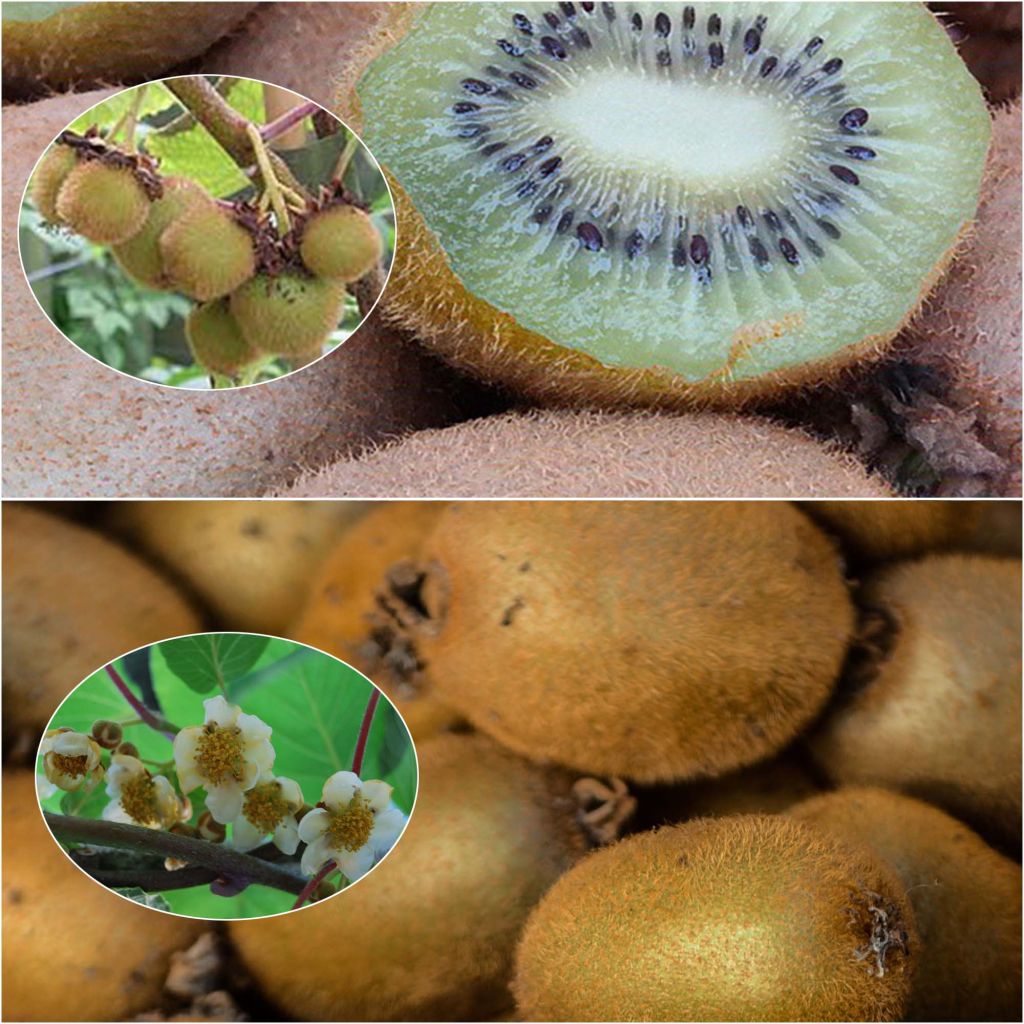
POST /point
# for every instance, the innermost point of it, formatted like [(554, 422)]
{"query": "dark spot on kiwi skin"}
[(854, 119), (525, 567), (509, 614), (590, 237), (844, 174), (252, 528)]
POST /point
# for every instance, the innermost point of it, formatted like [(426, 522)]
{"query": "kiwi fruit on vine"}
[(657, 641), (931, 704), (882, 531), (558, 238), (340, 243), (249, 562), (215, 341), (56, 631), (101, 202), (58, 925), (438, 920), (140, 257), (588, 454), (72, 428), (342, 614), (287, 314), (50, 173), (747, 918), (206, 253), (56, 46), (966, 899)]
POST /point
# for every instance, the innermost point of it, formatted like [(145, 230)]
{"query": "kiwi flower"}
[(354, 825), (269, 808), (71, 760), (139, 798), (227, 755)]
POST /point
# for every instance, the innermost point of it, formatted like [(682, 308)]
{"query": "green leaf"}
[(212, 660), (147, 899), (254, 901)]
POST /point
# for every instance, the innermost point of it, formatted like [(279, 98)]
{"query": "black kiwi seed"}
[(634, 243), (543, 213), (465, 108), (759, 252), (699, 250), (844, 174), (513, 162), (662, 25), (860, 152), (788, 249), (772, 220), (552, 19), (543, 144), (716, 55), (689, 17), (814, 46), (568, 9), (609, 11), (830, 67), (475, 86), (549, 166), (523, 23), (830, 229), (679, 253), (714, 25), (564, 222), (553, 48), (768, 65), (637, 23), (525, 81), (589, 236), (853, 119), (752, 41), (510, 48), (493, 147)]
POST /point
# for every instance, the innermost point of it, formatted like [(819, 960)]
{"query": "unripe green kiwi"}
[(340, 243), (343, 617), (287, 314), (103, 203), (966, 899), (430, 934), (56, 164), (140, 256), (215, 340), (747, 918), (207, 253), (653, 640), (880, 531), (932, 707)]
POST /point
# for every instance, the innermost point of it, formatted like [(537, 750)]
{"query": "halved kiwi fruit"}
[(667, 202)]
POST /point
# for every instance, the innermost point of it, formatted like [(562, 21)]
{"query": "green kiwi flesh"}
[(722, 190)]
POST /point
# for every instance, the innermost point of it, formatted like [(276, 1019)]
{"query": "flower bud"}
[(107, 734), (210, 830), (129, 749)]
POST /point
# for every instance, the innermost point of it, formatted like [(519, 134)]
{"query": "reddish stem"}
[(288, 120), (364, 732), (139, 708), (313, 884)]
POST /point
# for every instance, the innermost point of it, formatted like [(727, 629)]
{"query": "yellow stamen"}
[(265, 807), (219, 754), (70, 764), (350, 829), (138, 798)]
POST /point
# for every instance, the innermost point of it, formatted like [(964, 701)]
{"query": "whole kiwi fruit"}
[(437, 922), (587, 454), (965, 895), (53, 168), (287, 314), (653, 640), (101, 202), (56, 627), (587, 256), (206, 253), (343, 616), (931, 705), (58, 927), (746, 918), (340, 243), (215, 341)]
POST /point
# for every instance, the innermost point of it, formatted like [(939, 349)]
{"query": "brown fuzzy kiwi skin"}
[(75, 428), (658, 641), (342, 613), (103, 203), (970, 330), (54, 167), (932, 708), (613, 454), (56, 631), (249, 562), (744, 918), (437, 922), (426, 297), (206, 253), (93, 43), (341, 244), (966, 899), (59, 927), (883, 531)]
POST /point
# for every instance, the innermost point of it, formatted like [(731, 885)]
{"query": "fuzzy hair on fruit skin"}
[(92, 43), (581, 454), (102, 203), (340, 244), (935, 709), (140, 257), (882, 531), (73, 428), (747, 918), (55, 630), (206, 253), (215, 341), (426, 297), (54, 966), (343, 599), (658, 641), (56, 164), (430, 935), (966, 899), (288, 314)]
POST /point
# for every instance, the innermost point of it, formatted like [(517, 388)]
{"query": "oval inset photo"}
[(207, 232), (226, 776)]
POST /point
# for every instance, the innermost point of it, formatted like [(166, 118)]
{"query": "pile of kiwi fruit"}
[(261, 293), (690, 761)]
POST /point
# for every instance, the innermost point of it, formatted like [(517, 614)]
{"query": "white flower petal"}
[(224, 802), (315, 856), (251, 774), (377, 794), (245, 835), (45, 788), (313, 825), (218, 710), (286, 835), (291, 792), (253, 729), (72, 744), (340, 788), (185, 744), (387, 827), (115, 812), (188, 779), (354, 865)]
